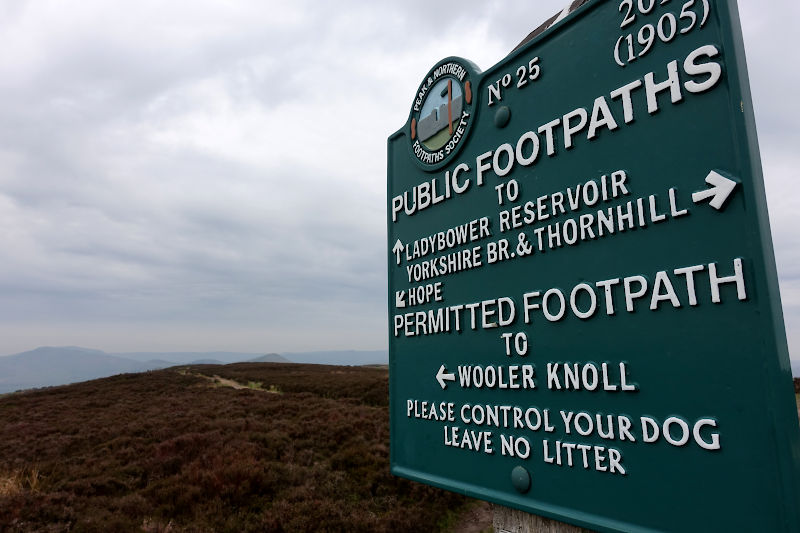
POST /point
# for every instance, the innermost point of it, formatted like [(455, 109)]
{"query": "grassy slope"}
[(165, 451), (441, 138)]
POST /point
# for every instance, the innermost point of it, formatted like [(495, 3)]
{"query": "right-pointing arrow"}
[(721, 189)]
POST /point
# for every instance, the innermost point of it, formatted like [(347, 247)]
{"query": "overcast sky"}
[(203, 175)]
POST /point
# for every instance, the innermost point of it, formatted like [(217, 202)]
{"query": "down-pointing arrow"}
[(721, 189), (400, 299), (398, 248), (443, 375)]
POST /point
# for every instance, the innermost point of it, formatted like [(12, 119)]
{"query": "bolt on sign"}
[(584, 315)]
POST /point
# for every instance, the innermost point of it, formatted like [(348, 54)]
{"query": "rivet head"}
[(502, 116), (521, 479)]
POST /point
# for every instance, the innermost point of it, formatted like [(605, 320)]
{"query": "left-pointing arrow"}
[(398, 248), (442, 376), (400, 299), (721, 189)]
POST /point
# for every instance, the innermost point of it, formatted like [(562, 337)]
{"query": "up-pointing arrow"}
[(442, 376), (398, 248), (721, 189)]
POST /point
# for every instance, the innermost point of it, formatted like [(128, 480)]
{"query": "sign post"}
[(584, 314)]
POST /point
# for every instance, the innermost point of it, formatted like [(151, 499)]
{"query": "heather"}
[(294, 448)]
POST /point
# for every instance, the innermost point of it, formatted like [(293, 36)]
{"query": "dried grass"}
[(16, 482), (155, 452)]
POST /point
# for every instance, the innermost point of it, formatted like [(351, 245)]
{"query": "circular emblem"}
[(442, 112)]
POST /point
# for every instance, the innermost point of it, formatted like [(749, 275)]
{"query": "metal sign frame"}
[(584, 315)]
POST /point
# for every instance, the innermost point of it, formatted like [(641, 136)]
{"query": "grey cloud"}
[(189, 172)]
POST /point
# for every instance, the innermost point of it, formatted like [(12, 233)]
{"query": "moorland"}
[(241, 447)]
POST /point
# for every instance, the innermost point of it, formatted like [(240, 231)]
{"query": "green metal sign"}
[(584, 314)]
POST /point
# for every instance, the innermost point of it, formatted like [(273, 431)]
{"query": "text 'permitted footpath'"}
[(582, 296)]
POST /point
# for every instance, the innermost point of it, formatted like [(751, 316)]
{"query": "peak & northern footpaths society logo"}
[(442, 112)]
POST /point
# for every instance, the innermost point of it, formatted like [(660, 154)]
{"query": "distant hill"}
[(159, 363), (270, 358), (206, 362), (47, 366), (342, 357), (187, 358)]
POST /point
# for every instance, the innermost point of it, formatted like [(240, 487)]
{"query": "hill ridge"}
[(47, 366)]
